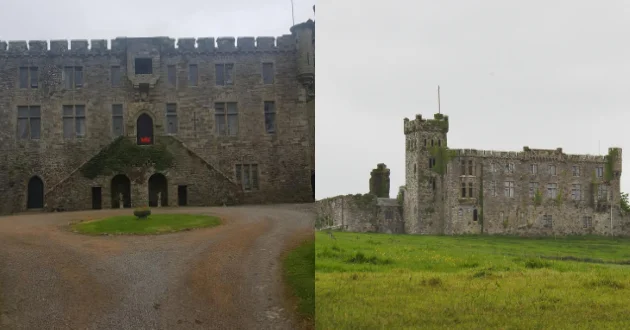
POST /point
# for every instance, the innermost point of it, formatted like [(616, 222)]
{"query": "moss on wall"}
[(122, 154), (611, 158), (442, 156)]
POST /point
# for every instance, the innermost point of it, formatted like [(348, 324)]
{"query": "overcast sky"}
[(80, 19), (545, 74)]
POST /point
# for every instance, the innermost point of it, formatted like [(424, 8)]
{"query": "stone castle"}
[(463, 191), (154, 121)]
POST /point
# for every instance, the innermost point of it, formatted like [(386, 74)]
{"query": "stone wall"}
[(435, 176), (360, 213), (285, 157)]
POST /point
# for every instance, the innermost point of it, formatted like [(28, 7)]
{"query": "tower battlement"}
[(439, 123), (79, 47)]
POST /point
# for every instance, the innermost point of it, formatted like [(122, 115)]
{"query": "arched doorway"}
[(144, 129), (121, 185), (158, 185), (35, 193)]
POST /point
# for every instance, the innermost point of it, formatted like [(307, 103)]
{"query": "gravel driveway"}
[(228, 277)]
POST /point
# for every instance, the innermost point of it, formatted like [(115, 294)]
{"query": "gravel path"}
[(228, 277)]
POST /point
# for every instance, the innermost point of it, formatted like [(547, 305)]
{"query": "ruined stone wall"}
[(285, 158), (519, 212), (360, 213)]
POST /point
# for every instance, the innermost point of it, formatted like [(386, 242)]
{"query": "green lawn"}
[(378, 281), (154, 224), (299, 267)]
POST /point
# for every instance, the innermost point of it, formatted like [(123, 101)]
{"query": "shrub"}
[(142, 212)]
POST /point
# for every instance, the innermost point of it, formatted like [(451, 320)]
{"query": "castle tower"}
[(379, 181), (304, 34), (423, 204)]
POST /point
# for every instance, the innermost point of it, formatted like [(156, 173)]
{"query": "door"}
[(97, 201), (35, 194), (182, 195)]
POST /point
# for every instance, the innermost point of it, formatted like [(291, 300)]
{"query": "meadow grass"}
[(379, 281), (154, 224), (299, 268)]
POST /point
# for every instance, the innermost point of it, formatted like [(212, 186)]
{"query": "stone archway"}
[(158, 186), (35, 193), (144, 129), (121, 185)]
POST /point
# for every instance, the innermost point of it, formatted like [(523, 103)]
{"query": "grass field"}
[(299, 267), (378, 281), (154, 224)]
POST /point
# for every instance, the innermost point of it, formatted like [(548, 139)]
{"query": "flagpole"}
[(439, 106), (292, 13)]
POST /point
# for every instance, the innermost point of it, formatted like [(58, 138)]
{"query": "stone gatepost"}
[(379, 181)]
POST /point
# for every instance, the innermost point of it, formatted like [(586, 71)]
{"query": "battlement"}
[(439, 123), (16, 48), (535, 154)]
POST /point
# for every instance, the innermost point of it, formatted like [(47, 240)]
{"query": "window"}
[(587, 221), (224, 74), (267, 73), (247, 176), (470, 167), (73, 77), (576, 192), (434, 186), (576, 170), (547, 221), (533, 168), (493, 188), (171, 118), (602, 192), (533, 189), (463, 189), (73, 121), (475, 215), (552, 169), (193, 75), (470, 190), (509, 168), (29, 77), (117, 120), (552, 190), (509, 189), (116, 76), (460, 213), (226, 118), (143, 66), (599, 171), (431, 162), (171, 73), (270, 116), (463, 167), (29, 122)]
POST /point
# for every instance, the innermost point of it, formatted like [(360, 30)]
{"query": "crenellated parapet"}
[(528, 154), (16, 48), (439, 123)]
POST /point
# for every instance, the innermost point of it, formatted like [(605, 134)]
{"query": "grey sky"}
[(75, 19), (545, 74)]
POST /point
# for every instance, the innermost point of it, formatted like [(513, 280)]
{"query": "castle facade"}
[(530, 192), (152, 121)]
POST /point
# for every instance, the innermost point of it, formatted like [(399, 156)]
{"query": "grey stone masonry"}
[(236, 114)]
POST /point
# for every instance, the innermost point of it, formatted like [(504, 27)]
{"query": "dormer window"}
[(144, 66)]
